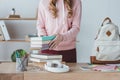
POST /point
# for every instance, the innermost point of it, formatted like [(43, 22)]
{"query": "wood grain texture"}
[(75, 73), (11, 76), (72, 76)]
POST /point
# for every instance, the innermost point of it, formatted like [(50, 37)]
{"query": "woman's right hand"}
[(55, 41)]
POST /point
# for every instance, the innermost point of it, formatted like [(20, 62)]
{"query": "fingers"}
[(54, 43)]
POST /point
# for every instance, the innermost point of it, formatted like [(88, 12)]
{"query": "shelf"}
[(15, 41), (18, 18)]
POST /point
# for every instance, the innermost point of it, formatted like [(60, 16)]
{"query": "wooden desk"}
[(7, 72)]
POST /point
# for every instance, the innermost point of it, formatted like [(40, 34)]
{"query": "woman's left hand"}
[(56, 41)]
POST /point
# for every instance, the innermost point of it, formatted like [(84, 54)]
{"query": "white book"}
[(4, 30), (43, 38), (43, 47), (36, 45), (43, 60), (40, 42), (35, 51), (46, 56)]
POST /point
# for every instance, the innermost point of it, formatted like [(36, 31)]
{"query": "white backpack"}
[(107, 42)]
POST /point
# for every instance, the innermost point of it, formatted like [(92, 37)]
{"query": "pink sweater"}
[(67, 27)]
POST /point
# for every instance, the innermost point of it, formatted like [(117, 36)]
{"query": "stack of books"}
[(41, 42), (4, 35), (45, 57)]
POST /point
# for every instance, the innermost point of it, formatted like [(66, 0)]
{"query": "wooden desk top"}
[(8, 72)]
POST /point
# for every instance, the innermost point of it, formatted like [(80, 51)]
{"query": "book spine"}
[(43, 60), (40, 46), (35, 51), (36, 38), (40, 42), (36, 45), (46, 57), (44, 38), (34, 48)]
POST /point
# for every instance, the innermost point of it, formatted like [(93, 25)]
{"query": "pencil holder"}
[(21, 64)]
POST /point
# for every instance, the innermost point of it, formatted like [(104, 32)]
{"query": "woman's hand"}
[(56, 41)]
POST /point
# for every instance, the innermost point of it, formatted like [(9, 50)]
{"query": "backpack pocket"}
[(107, 50)]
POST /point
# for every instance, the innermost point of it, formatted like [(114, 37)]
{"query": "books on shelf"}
[(46, 56), (4, 30), (1, 35)]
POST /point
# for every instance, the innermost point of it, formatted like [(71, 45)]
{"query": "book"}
[(35, 52), (42, 46), (4, 30), (43, 38), (27, 37), (34, 48), (38, 48), (46, 56), (43, 60), (105, 68), (1, 35), (39, 42)]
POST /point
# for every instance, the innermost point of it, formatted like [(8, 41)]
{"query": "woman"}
[(62, 19)]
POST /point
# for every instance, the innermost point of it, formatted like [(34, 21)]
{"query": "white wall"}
[(17, 29), (26, 8), (93, 12)]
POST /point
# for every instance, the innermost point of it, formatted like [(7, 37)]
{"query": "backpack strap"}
[(109, 21), (106, 19)]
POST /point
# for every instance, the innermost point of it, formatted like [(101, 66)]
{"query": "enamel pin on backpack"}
[(107, 44)]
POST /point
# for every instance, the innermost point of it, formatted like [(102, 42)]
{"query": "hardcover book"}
[(46, 56), (43, 38), (1, 35), (4, 30), (40, 42), (43, 60)]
